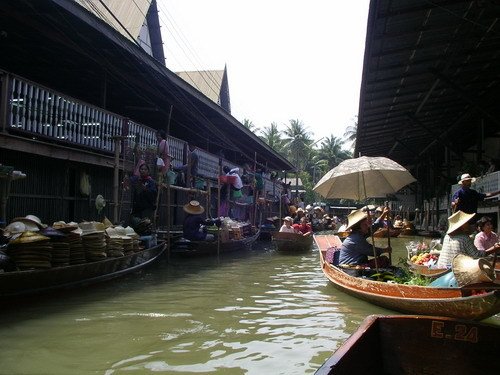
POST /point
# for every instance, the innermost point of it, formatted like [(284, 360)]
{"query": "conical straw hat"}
[(468, 270)]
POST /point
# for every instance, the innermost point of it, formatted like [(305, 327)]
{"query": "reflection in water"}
[(257, 313)]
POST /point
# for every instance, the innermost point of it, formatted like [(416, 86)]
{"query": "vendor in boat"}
[(486, 238), (466, 199), (194, 227), (458, 241), (287, 225), (381, 218), (303, 227), (356, 249), (299, 214), (144, 192)]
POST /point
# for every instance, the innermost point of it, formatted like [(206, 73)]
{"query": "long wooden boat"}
[(462, 303), (292, 242), (18, 283), (188, 248), (438, 345)]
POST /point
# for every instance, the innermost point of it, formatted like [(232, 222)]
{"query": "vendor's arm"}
[(492, 194), (493, 249)]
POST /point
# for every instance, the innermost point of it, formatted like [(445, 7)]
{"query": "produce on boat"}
[(469, 302)]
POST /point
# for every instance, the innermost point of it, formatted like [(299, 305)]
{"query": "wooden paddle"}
[(388, 232)]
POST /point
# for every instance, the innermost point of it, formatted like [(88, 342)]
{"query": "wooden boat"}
[(18, 283), (188, 248), (420, 269), (462, 303), (382, 233), (438, 345), (292, 242)]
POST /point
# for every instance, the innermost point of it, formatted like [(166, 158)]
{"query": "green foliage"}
[(312, 161), (408, 278)]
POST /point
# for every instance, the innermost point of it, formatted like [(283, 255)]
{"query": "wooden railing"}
[(42, 113)]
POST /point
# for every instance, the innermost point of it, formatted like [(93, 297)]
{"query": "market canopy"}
[(431, 80)]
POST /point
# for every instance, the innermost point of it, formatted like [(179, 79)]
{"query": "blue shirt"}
[(191, 228), (356, 249), (468, 200)]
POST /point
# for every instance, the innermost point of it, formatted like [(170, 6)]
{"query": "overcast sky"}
[(286, 59)]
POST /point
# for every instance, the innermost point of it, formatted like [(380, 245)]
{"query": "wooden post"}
[(255, 195), (169, 221), (116, 178)]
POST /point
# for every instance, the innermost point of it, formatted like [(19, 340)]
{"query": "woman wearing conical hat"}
[(457, 240), (356, 249)]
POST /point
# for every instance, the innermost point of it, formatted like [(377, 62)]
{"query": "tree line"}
[(311, 158)]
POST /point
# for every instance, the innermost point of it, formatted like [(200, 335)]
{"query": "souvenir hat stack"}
[(32, 222), (93, 240), (114, 243), (31, 250), (76, 250), (14, 230), (60, 246), (128, 242), (136, 242)]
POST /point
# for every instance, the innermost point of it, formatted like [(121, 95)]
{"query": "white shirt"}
[(286, 229)]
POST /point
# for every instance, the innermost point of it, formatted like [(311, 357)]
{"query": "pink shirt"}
[(484, 241)]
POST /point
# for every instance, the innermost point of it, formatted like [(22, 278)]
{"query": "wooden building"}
[(78, 94)]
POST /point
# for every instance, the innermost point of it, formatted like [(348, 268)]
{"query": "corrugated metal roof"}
[(430, 79), (131, 14), (208, 82)]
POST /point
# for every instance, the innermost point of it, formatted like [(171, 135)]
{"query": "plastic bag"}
[(160, 162)]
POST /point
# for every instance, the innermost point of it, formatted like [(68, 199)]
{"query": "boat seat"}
[(333, 255)]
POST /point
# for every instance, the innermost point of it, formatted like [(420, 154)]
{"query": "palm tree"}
[(297, 142), (351, 133), (332, 153), (248, 124), (271, 135)]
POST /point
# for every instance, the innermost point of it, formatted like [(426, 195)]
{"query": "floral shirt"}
[(457, 244)]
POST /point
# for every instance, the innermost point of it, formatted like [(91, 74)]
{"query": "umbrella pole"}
[(370, 221), (373, 241), (388, 233)]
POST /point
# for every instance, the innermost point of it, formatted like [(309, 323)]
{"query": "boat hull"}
[(292, 242), (413, 299), (28, 282), (186, 248), (382, 344)]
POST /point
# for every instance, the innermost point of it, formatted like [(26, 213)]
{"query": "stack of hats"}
[(114, 243), (60, 246), (128, 242), (31, 250), (136, 241), (74, 239), (93, 240)]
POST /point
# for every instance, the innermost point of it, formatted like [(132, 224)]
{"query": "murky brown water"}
[(256, 313)]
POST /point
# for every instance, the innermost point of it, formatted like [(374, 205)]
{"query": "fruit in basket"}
[(424, 258)]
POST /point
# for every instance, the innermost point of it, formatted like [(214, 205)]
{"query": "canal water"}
[(256, 313)]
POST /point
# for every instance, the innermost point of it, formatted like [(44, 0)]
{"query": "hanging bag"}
[(159, 160)]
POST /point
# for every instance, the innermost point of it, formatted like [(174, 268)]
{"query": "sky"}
[(286, 59)]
